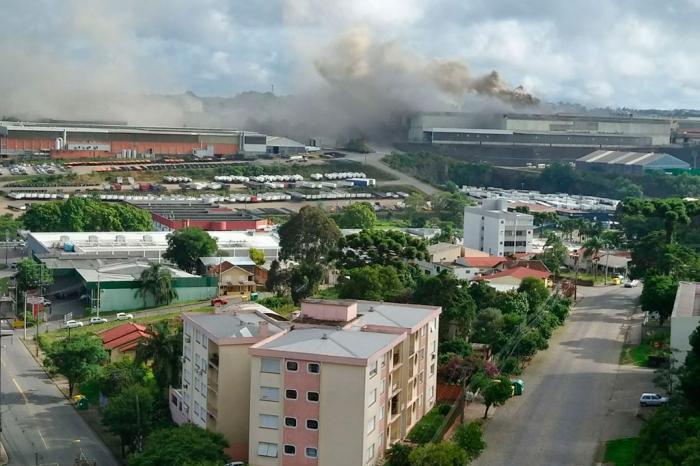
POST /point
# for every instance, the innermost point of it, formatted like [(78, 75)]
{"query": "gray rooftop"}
[(234, 260), (327, 342), (687, 302), (390, 314), (125, 272), (229, 325), (630, 158)]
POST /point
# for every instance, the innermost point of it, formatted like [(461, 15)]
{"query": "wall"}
[(125, 299), (234, 399), (257, 406), (681, 328)]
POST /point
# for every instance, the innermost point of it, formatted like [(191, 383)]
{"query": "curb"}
[(3, 455)]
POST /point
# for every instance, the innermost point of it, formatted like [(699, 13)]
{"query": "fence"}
[(456, 410)]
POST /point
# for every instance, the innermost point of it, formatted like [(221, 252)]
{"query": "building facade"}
[(685, 318), (492, 229), (371, 365)]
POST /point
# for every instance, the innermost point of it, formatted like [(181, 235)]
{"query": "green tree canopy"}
[(304, 280), (86, 214), (652, 256), (535, 291), (438, 454), (470, 438), (115, 377), (379, 247), (358, 215), (187, 245), (512, 302), (76, 358), (130, 415), (398, 454), (308, 236), (186, 444), (554, 253), (672, 212), (10, 225), (31, 274), (257, 256), (277, 279), (371, 282), (458, 308), (156, 282), (496, 392), (658, 295), (163, 351), (488, 326)]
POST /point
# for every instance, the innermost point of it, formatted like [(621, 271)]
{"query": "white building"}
[(685, 318), (491, 228)]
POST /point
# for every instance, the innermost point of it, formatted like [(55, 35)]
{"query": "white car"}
[(124, 316), (652, 399), (631, 283), (97, 320), (74, 324)]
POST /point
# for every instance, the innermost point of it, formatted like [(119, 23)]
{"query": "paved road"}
[(570, 399), (37, 419), (375, 159)]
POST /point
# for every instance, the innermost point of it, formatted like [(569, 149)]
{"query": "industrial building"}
[(629, 163), (73, 140), (173, 216), (491, 228), (685, 318), (277, 145)]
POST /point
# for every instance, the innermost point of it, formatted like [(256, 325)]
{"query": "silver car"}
[(652, 399)]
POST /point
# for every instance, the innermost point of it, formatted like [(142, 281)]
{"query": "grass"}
[(584, 276), (4, 285), (621, 452), (328, 293), (655, 341), (427, 427)]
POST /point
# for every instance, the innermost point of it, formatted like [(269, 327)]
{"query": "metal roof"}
[(391, 315), (612, 157), (687, 303), (240, 325), (125, 272), (329, 342)]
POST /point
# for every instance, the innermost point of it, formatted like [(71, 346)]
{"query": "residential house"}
[(121, 341), (510, 279)]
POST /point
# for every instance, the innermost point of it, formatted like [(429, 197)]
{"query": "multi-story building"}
[(492, 229), (348, 380), (215, 387), (684, 320)]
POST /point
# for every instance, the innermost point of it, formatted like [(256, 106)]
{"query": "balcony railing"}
[(214, 361)]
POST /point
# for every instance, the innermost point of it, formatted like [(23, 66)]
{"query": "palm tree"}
[(157, 282), (592, 246), (163, 350)]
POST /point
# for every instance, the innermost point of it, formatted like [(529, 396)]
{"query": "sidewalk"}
[(3, 455)]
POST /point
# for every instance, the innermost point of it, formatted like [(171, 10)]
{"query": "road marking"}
[(43, 440), (20, 391)]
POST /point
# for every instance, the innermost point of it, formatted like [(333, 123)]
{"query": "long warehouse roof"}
[(612, 157)]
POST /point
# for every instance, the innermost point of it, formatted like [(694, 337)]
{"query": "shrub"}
[(470, 438)]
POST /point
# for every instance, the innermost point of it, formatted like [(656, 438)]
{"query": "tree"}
[(79, 214), (31, 275), (358, 145), (358, 215), (690, 373), (458, 308), (673, 212), (470, 438), (372, 283), (483, 294), (163, 350), (304, 280), (187, 245), (10, 225), (308, 236), (113, 378), (658, 295), (592, 246), (450, 206), (76, 358), (496, 393), (535, 290), (157, 282), (186, 444), (554, 253), (379, 247), (398, 455), (277, 279), (438, 454), (488, 326), (130, 415), (651, 255), (512, 302), (257, 256)]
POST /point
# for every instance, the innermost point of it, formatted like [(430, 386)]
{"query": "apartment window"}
[(314, 368), (371, 424), (269, 393), (382, 386), (269, 421), (373, 369), (205, 342), (312, 424), (372, 397), (381, 414), (270, 365), (292, 366), (290, 421), (431, 325), (312, 396), (431, 391), (267, 449), (290, 394), (196, 335), (432, 369), (311, 452), (290, 450), (370, 453)]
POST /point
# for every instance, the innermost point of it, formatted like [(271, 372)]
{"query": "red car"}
[(219, 302)]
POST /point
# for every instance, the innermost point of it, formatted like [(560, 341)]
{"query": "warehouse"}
[(503, 137), (629, 163), (173, 216), (277, 145), (84, 140)]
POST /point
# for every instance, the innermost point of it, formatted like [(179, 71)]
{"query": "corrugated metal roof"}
[(329, 342), (630, 158)]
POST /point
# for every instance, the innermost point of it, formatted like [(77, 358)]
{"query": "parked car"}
[(74, 324), (97, 320), (124, 316), (219, 302), (652, 399), (631, 283), (47, 302)]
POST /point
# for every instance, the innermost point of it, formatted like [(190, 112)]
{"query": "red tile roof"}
[(517, 272), (491, 261), (124, 337)]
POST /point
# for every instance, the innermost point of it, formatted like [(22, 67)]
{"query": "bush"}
[(398, 455), (470, 438), (425, 429)]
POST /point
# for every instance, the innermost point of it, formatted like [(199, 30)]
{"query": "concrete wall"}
[(234, 398), (125, 299), (681, 328), (257, 406)]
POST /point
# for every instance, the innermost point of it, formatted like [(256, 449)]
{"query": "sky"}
[(631, 53)]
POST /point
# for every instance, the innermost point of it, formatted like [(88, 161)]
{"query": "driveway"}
[(576, 393)]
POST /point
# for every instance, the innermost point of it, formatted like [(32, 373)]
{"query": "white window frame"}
[(370, 453), (296, 422), (268, 450), (312, 401), (269, 421), (306, 452), (270, 362), (374, 369), (292, 390), (289, 445), (306, 424), (286, 366), (371, 425), (270, 390), (308, 368), (372, 397)]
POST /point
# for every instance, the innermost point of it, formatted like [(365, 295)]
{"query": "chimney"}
[(264, 330)]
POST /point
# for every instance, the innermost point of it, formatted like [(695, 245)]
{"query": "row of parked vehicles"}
[(98, 320)]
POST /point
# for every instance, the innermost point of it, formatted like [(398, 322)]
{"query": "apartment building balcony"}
[(212, 411), (214, 361)]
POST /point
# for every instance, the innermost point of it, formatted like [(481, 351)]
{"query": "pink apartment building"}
[(348, 380)]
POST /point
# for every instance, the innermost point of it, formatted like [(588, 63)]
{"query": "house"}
[(510, 279), (121, 341), (685, 318), (232, 278), (444, 252)]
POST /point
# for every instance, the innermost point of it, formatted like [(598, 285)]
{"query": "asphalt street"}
[(569, 389), (37, 419)]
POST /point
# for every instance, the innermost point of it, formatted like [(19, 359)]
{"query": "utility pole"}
[(25, 314), (7, 244)]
